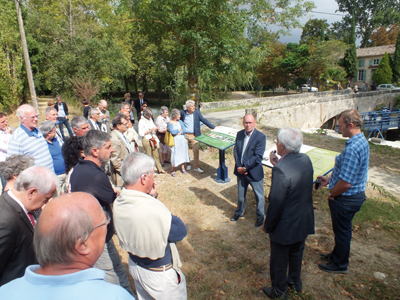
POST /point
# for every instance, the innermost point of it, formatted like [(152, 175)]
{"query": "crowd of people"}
[(102, 184)]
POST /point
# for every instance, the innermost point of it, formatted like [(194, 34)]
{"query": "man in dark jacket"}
[(191, 118), (290, 214), (62, 110)]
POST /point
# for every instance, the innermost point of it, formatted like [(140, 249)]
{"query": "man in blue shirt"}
[(69, 238), (191, 118), (346, 189)]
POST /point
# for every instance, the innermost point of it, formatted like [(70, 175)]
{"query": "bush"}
[(384, 73)]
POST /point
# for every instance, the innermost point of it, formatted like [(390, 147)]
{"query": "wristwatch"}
[(244, 169)]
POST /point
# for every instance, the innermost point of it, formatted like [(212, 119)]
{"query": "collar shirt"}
[(61, 112), (96, 126), (352, 165), (146, 125), (125, 140), (245, 142), (189, 124)]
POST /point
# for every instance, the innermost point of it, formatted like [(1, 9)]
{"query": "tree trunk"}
[(135, 83), (26, 58), (126, 84), (192, 76)]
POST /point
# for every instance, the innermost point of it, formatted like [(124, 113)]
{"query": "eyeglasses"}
[(106, 222), (32, 117)]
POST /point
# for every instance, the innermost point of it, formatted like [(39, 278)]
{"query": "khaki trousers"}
[(152, 153), (195, 146)]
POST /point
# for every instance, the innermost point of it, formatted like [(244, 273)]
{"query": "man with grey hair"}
[(191, 118), (148, 232), (69, 238), (94, 118), (51, 114), (248, 152), (28, 140), (80, 126), (290, 214), (104, 116), (33, 188), (89, 177)]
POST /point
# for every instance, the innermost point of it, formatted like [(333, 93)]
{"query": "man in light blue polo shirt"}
[(69, 238), (28, 140)]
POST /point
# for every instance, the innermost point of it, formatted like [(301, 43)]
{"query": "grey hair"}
[(57, 246), (163, 109), (135, 165), (48, 110), (15, 164), (46, 126), (147, 112), (58, 97), (123, 105), (22, 110), (174, 113), (77, 122), (292, 139), (93, 110), (94, 139), (38, 177), (189, 102)]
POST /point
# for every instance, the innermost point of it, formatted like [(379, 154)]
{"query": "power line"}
[(325, 13)]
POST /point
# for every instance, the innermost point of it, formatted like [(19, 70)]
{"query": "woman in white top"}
[(147, 130), (161, 123)]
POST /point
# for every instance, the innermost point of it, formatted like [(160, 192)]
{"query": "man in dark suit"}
[(94, 118), (290, 214), (138, 104), (33, 188), (248, 152), (191, 120), (62, 110)]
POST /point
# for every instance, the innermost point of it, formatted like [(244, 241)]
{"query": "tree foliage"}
[(384, 73), (383, 35), (296, 60), (369, 15), (350, 57), (314, 30)]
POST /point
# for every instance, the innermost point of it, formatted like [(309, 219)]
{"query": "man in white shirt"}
[(104, 116)]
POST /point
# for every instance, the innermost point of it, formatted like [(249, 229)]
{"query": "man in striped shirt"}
[(28, 140)]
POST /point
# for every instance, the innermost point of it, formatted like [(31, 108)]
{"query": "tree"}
[(369, 15), (396, 60), (384, 73), (211, 32), (314, 30), (295, 61), (270, 71), (383, 35), (350, 58)]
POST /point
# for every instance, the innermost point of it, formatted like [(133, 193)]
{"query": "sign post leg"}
[(222, 172)]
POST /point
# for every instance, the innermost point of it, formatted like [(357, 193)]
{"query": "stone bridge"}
[(308, 110)]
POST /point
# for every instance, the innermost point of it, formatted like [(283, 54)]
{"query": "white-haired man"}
[(94, 118), (33, 188), (80, 126), (149, 232), (191, 119), (104, 116), (28, 140), (51, 114), (69, 238)]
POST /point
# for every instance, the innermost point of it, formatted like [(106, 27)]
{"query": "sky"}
[(322, 6)]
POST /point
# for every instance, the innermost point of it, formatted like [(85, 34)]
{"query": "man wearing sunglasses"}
[(69, 239)]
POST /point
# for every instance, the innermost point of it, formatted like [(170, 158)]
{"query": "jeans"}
[(258, 188), (343, 209), (111, 263), (283, 256), (61, 122)]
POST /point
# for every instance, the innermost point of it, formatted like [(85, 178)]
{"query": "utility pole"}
[(26, 57)]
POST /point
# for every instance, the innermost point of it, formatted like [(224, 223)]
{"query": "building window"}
[(361, 75), (376, 61), (361, 63)]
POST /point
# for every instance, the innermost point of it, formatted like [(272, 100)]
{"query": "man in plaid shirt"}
[(346, 189)]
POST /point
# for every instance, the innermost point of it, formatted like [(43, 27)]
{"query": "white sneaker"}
[(198, 170), (188, 167)]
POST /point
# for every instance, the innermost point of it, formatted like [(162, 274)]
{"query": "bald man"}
[(69, 238), (104, 116)]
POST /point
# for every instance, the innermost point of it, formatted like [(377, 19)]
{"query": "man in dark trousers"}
[(248, 152), (290, 214), (62, 110), (89, 177), (33, 188), (191, 119), (138, 105)]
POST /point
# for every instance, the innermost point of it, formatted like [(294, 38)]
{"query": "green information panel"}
[(322, 160), (221, 137)]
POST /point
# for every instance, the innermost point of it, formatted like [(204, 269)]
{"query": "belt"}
[(159, 269)]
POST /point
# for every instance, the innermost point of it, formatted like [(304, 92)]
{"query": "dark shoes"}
[(331, 268), (326, 256), (259, 222), (270, 292), (236, 217)]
